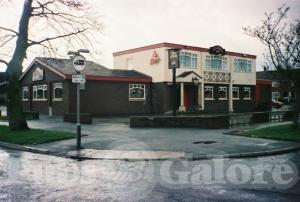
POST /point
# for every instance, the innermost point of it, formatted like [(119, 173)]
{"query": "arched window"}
[(57, 92), (39, 92), (137, 92)]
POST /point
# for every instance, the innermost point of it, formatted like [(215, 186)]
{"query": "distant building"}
[(3, 96), (281, 88), (225, 80)]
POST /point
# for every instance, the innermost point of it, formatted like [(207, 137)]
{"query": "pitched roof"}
[(93, 71), (184, 74), (270, 75)]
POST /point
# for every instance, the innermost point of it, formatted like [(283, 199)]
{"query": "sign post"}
[(79, 64), (174, 63)]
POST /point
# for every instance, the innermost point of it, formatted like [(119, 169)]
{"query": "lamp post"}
[(79, 63)]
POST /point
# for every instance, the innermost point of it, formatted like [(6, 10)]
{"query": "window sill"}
[(223, 98), (137, 99), (235, 98), (209, 99), (58, 100), (24, 100), (215, 70), (43, 100), (247, 99)]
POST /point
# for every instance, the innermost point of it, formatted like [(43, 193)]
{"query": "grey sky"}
[(204, 23)]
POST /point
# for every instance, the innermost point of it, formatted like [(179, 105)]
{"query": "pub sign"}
[(174, 58)]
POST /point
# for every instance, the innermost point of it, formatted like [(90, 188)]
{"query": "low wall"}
[(211, 121), (208, 122)]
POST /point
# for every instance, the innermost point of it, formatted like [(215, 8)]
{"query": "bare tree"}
[(282, 40), (68, 21)]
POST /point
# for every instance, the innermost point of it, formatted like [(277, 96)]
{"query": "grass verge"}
[(281, 132), (32, 136)]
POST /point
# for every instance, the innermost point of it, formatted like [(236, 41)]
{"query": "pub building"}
[(47, 88), (211, 80)]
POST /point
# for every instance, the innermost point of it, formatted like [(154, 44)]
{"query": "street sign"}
[(79, 63), (78, 78)]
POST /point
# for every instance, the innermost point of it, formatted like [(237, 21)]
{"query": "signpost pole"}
[(174, 62), (174, 91), (79, 64), (78, 118)]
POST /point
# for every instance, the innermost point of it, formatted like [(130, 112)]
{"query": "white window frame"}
[(277, 95), (210, 88), (35, 89), (208, 62), (238, 65), (249, 90), (138, 86), (23, 89), (237, 89), (193, 57), (56, 86), (275, 84), (223, 88)]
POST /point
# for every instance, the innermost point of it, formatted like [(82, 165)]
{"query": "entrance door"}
[(190, 96)]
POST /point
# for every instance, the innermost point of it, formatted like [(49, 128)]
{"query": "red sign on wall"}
[(154, 59)]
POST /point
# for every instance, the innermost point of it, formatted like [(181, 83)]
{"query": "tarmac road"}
[(35, 177)]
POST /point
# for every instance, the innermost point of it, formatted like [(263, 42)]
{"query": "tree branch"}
[(4, 62), (56, 37)]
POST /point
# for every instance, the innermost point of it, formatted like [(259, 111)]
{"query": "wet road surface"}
[(34, 177)]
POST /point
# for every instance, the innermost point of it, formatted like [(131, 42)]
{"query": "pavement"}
[(115, 135)]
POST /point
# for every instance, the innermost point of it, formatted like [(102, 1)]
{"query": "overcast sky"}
[(204, 23)]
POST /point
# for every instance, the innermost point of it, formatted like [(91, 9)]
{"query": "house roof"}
[(93, 71), (184, 74), (180, 46), (270, 75)]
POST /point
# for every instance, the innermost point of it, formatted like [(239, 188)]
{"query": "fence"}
[(260, 117)]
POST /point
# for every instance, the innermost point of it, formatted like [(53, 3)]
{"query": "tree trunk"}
[(15, 113)]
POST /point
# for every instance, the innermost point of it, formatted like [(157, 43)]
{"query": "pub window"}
[(25, 93), (216, 63), (209, 92), (137, 92), (235, 93), (247, 93), (242, 65), (275, 95), (188, 60), (57, 91), (275, 83), (39, 92), (222, 93)]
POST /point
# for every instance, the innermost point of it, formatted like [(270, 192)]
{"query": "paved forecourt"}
[(115, 134)]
